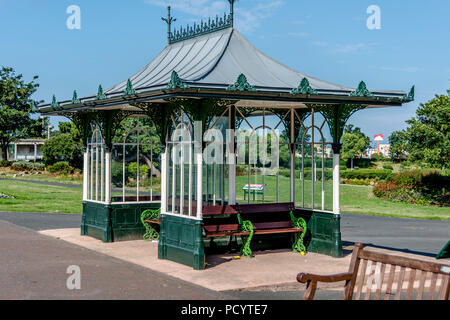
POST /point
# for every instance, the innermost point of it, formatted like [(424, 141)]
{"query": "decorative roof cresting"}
[(212, 25)]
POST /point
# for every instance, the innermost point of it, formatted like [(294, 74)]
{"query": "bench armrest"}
[(305, 277), (312, 279)]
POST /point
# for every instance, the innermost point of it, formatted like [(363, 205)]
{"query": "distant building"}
[(25, 150), (384, 150)]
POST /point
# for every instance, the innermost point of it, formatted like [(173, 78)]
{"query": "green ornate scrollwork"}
[(82, 120), (150, 214), (361, 91), (109, 121), (304, 88), (161, 116), (337, 116), (241, 84), (246, 226), (129, 91), (176, 83), (299, 223), (100, 94), (75, 99), (410, 96)]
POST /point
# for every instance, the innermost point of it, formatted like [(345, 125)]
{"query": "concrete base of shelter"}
[(277, 268)]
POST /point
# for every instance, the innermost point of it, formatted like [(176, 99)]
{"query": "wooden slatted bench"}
[(372, 274), (252, 219)]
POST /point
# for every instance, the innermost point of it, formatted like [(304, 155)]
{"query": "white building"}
[(25, 150)]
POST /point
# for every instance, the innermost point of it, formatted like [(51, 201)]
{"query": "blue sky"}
[(326, 39)]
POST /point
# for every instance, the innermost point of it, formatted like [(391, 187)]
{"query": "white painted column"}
[(108, 176), (85, 174), (35, 152), (336, 179), (199, 186), (15, 151), (232, 179), (164, 181)]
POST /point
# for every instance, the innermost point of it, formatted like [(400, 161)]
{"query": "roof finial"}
[(231, 10), (169, 21)]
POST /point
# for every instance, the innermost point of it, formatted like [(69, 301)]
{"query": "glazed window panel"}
[(135, 163), (96, 149)]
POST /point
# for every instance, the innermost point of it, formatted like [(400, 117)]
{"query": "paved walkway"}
[(33, 266)]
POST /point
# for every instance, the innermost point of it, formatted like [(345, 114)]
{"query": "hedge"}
[(25, 165), (366, 174)]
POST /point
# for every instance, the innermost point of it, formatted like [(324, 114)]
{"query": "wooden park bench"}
[(253, 188), (372, 274), (247, 220)]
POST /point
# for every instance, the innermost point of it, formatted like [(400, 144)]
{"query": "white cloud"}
[(200, 8), (245, 19), (347, 48)]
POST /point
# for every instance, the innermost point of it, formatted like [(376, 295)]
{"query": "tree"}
[(66, 146), (354, 142), (15, 107), (397, 141), (428, 134)]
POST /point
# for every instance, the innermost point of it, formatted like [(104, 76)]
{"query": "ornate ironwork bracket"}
[(304, 88), (176, 83), (241, 84), (361, 91), (336, 117), (82, 121), (161, 116)]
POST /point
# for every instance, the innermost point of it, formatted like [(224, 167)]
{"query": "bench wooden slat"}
[(222, 227), (219, 210), (361, 279), (422, 277), (265, 208), (378, 293), (272, 225), (432, 286), (400, 261), (273, 231), (390, 282), (445, 288), (412, 277), (153, 221), (400, 283)]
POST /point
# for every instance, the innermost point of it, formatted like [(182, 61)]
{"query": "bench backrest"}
[(265, 208), (384, 276)]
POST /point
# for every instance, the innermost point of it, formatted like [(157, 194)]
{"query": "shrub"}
[(388, 167), (416, 186), (359, 182), (5, 163), (25, 165), (366, 174), (61, 167)]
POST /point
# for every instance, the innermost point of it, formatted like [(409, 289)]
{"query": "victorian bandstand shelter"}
[(198, 116)]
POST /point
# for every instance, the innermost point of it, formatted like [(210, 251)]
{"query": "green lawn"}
[(30, 197), (355, 199)]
